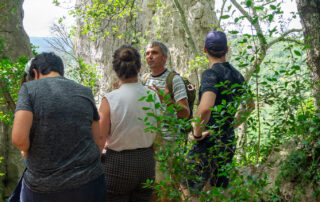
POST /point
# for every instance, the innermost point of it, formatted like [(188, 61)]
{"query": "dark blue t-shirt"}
[(62, 153), (228, 85)]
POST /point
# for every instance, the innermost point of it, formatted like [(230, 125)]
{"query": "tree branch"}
[(186, 27), (250, 19), (221, 14), (282, 38), (189, 36), (263, 5), (248, 74)]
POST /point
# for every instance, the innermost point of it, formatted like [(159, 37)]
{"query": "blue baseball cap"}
[(216, 41)]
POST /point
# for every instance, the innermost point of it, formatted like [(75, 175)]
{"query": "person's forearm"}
[(204, 118), (183, 112), (102, 143), (96, 134), (24, 147)]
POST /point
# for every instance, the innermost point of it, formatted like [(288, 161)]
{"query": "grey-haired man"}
[(156, 57)]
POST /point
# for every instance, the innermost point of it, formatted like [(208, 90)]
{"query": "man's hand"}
[(203, 135), (184, 112), (157, 89)]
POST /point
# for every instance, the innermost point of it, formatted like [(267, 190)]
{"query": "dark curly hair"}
[(44, 63)]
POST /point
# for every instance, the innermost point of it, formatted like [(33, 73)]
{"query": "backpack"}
[(191, 91)]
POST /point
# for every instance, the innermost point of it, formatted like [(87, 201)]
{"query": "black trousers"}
[(209, 158), (94, 191)]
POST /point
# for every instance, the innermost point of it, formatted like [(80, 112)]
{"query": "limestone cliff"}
[(153, 22), (16, 42)]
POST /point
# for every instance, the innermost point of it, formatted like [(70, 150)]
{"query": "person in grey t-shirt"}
[(56, 128)]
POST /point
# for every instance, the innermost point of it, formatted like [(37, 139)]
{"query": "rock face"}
[(12, 163), (14, 44), (153, 22)]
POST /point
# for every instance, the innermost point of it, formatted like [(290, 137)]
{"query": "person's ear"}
[(205, 49), (165, 57), (36, 74), (227, 50)]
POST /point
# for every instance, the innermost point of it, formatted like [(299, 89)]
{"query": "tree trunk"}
[(309, 11), (14, 44)]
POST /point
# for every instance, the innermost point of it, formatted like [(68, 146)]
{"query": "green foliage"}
[(34, 49), (85, 74), (274, 63), (100, 16), (174, 146), (201, 62), (11, 76), (302, 165), (1, 174)]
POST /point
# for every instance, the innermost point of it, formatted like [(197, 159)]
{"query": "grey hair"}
[(163, 47)]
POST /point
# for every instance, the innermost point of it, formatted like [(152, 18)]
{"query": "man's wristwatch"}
[(197, 137)]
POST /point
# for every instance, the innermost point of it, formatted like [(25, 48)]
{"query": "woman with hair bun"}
[(127, 156)]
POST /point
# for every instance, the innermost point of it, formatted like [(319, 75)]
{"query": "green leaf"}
[(225, 16), (254, 20), (233, 32), (150, 98), (273, 7), (243, 65), (161, 93), (258, 7), (296, 67), (150, 114), (270, 18), (157, 105), (298, 53), (144, 97), (249, 3), (13, 10)]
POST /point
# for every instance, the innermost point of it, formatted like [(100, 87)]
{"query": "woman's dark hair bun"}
[(126, 56), (126, 62)]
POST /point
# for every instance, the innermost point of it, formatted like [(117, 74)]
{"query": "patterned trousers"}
[(126, 173)]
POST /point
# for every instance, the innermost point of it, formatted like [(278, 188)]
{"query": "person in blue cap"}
[(222, 89)]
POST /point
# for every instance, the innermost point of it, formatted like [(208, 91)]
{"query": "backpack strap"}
[(169, 82), (145, 79)]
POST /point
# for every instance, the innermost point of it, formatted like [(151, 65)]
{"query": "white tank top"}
[(127, 115)]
